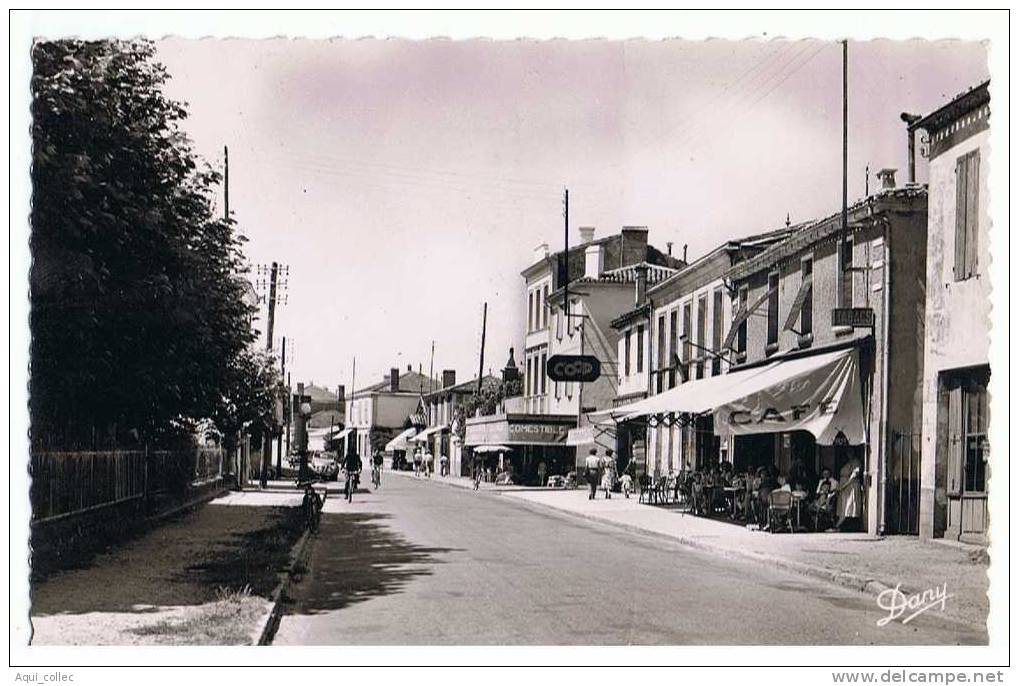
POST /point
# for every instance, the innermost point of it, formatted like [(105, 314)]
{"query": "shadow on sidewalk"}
[(191, 559), (356, 558)]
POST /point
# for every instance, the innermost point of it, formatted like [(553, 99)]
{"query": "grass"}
[(227, 621)]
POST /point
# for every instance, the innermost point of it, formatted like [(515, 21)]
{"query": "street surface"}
[(420, 563)]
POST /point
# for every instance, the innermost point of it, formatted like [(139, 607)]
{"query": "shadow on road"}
[(355, 557)]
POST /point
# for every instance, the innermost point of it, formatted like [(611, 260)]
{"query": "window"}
[(626, 353), (716, 331), (741, 333), (702, 324), (968, 449), (967, 206), (661, 352), (807, 309), (544, 377), (845, 293), (544, 306), (527, 387), (687, 347), (673, 337), (640, 348), (773, 310), (530, 311)]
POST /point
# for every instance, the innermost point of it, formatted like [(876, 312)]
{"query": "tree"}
[(138, 319)]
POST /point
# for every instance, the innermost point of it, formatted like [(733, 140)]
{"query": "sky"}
[(406, 183)]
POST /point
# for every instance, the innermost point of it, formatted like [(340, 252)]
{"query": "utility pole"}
[(866, 181), (431, 370), (845, 141), (226, 183), (274, 274), (566, 255), (481, 362), (286, 419)]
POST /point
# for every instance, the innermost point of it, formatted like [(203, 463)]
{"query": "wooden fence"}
[(69, 483)]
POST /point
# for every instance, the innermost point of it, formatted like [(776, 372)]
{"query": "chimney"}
[(593, 261), (641, 280), (887, 178), (341, 394), (448, 378), (910, 120), (685, 246), (394, 380), (541, 252), (668, 248), (586, 233)]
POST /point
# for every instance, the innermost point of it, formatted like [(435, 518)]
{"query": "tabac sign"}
[(583, 368), (856, 317)]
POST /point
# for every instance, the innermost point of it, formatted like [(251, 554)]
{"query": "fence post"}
[(145, 476)]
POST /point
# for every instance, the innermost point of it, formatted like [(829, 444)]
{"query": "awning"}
[(427, 433), (582, 436), (400, 442), (819, 393), (491, 449)]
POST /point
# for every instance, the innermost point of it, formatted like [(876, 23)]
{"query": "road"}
[(420, 563)]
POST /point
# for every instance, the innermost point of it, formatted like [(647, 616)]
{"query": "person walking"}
[(443, 465), (592, 464), (542, 470), (608, 473)]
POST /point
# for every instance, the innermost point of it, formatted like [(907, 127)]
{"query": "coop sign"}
[(582, 368)]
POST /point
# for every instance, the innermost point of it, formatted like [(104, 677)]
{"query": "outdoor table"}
[(732, 491)]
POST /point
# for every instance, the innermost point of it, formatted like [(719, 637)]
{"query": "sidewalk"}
[(860, 561), (204, 577)]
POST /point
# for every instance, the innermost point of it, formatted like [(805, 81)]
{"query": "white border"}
[(501, 25)]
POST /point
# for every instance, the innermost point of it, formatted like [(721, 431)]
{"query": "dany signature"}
[(897, 603)]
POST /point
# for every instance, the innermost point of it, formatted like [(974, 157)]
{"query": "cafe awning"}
[(818, 393), (491, 449), (400, 442)]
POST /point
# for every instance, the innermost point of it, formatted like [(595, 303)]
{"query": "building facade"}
[(955, 473), (443, 408), (377, 413)]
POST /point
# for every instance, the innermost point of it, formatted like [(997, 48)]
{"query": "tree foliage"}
[(138, 318)]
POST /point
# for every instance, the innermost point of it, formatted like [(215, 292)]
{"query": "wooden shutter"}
[(959, 269), (955, 441), (972, 210)]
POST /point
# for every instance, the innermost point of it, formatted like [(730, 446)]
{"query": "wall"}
[(957, 331)]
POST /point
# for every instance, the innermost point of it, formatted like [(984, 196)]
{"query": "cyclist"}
[(352, 466), (377, 468)]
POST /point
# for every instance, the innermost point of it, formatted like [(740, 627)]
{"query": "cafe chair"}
[(780, 510)]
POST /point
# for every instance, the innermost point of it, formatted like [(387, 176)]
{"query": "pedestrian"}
[(443, 465), (542, 469), (592, 464), (417, 462), (608, 473), (429, 464), (626, 484), (477, 474), (850, 498)]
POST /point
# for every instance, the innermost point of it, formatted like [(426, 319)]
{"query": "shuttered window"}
[(967, 203), (954, 476), (716, 332), (640, 348)]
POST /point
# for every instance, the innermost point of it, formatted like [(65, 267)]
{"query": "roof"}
[(955, 108), (410, 382), (859, 213), (652, 255), (319, 393), (464, 387)]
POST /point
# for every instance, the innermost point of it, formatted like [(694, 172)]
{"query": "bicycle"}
[(376, 477), (352, 479), (312, 507)]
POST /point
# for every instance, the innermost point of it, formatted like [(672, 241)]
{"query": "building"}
[(377, 413), (673, 335), (602, 276), (955, 451), (443, 407), (818, 377)]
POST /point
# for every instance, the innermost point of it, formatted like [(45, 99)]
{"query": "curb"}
[(191, 504), (267, 626), (855, 582)]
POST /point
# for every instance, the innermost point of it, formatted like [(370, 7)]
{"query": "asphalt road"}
[(419, 563)]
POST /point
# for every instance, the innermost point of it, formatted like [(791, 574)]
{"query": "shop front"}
[(535, 445), (786, 420)]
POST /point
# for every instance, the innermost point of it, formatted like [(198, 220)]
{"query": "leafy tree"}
[(138, 319)]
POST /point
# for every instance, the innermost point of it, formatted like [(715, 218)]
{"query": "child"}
[(626, 483)]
